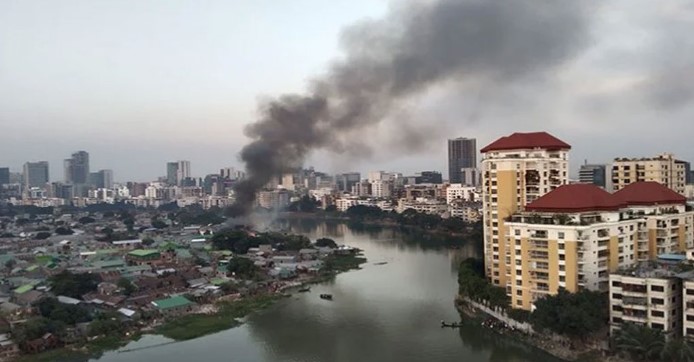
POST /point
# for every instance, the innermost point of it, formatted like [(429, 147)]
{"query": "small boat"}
[(326, 296), (381, 263), (451, 325), (304, 290)]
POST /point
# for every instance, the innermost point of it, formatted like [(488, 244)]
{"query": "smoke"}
[(394, 60)]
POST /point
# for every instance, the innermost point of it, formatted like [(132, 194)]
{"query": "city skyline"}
[(149, 95)]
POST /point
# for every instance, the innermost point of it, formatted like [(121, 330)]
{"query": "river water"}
[(388, 312)]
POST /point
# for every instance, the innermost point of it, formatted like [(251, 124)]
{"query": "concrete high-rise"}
[(462, 154), (4, 175), (177, 171), (35, 174), (594, 174), (664, 169), (103, 179), (516, 170), (77, 168)]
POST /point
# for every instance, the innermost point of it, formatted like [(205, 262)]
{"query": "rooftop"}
[(649, 193), (173, 302), (531, 140), (144, 252), (576, 198)]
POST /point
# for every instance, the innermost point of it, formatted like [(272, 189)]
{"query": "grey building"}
[(77, 168), (462, 154), (177, 171), (4, 175), (429, 177), (35, 174), (346, 181), (593, 174), (103, 179)]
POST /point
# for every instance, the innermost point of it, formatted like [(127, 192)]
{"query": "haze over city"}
[(167, 80)]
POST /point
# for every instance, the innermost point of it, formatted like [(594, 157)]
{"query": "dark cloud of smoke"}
[(386, 62)]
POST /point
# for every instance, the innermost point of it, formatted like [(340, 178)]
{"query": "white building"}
[(381, 188), (458, 192)]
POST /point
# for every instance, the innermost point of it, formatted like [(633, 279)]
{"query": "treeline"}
[(239, 240), (574, 315), (412, 218)]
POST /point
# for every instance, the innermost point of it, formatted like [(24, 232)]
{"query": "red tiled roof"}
[(649, 193), (576, 198), (527, 140)]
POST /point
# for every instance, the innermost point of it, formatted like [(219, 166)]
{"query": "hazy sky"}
[(142, 82)]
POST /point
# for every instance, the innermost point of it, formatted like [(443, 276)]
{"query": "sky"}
[(139, 83)]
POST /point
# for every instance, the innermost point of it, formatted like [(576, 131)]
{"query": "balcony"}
[(634, 301), (634, 288)]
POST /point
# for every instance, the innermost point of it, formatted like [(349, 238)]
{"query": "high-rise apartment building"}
[(103, 179), (594, 174), (4, 175), (575, 236), (176, 172), (77, 168), (35, 174), (462, 154), (346, 181), (516, 170), (664, 169)]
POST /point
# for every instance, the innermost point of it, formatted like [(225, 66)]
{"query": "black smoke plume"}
[(386, 62)]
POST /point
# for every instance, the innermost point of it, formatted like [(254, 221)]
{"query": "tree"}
[(678, 349), (10, 264), (640, 343), (73, 285), (158, 224), (331, 208), (64, 231), (326, 242), (126, 286), (147, 241), (86, 220), (129, 223), (42, 235), (305, 204), (242, 267), (575, 315), (106, 323), (66, 313)]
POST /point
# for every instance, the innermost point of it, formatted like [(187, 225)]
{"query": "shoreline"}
[(195, 325)]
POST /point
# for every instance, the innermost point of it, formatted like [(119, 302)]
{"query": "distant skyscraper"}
[(77, 168), (346, 181), (177, 171), (429, 177), (171, 172), (4, 175), (462, 154), (593, 174), (35, 174), (103, 179)]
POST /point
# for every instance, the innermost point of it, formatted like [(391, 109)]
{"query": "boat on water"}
[(326, 296), (304, 290), (381, 263), (451, 325)]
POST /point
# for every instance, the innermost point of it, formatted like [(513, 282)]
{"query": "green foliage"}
[(107, 323), (147, 241), (236, 240), (73, 285), (126, 286), (678, 350), (331, 208), (196, 215), (576, 315), (158, 224), (242, 268), (10, 264), (64, 231), (361, 212), (35, 328), (473, 284), (326, 242), (305, 204), (68, 314), (42, 235), (640, 343), (340, 263), (520, 315), (86, 220)]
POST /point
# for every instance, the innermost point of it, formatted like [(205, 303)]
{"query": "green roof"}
[(44, 259), (144, 252), (24, 288), (168, 245), (31, 268), (103, 264), (173, 302), (183, 254), (218, 281)]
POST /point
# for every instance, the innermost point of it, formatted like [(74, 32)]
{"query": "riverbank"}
[(559, 348), (224, 315)]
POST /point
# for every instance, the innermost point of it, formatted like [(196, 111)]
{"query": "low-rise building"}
[(173, 306), (144, 256), (649, 294)]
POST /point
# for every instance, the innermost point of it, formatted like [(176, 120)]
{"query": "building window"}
[(516, 232), (562, 278), (519, 302), (657, 301), (616, 296), (560, 235), (657, 288), (690, 318), (657, 326), (616, 284), (562, 267), (617, 308), (616, 320), (519, 292), (657, 313)]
